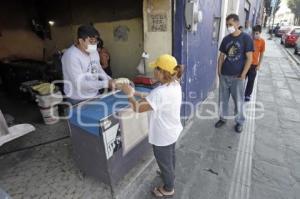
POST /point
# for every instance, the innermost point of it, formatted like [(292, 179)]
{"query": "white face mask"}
[(91, 48), (231, 29), (256, 36)]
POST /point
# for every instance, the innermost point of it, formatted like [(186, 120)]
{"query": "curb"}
[(295, 59), (291, 57)]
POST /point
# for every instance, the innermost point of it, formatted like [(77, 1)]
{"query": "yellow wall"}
[(125, 55), (157, 43)]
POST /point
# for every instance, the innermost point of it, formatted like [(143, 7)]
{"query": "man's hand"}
[(242, 77), (221, 60), (219, 73), (111, 84), (257, 68), (120, 82)]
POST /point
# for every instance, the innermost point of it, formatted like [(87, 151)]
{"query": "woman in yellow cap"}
[(164, 103)]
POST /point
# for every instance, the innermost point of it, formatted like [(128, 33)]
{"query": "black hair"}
[(235, 17), (85, 31), (100, 44), (257, 28), (241, 27)]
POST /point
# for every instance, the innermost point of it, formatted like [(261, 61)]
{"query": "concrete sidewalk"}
[(276, 159)]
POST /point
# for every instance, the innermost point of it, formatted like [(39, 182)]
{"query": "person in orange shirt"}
[(258, 54)]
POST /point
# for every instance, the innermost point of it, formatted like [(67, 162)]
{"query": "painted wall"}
[(125, 54), (198, 51), (157, 37), (224, 13), (233, 6)]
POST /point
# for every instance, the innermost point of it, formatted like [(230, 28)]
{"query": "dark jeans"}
[(251, 79), (165, 158)]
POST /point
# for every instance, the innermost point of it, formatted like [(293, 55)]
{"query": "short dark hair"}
[(257, 28), (235, 17), (241, 27), (85, 31)]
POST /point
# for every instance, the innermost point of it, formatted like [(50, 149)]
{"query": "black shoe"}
[(247, 98), (238, 128), (220, 123)]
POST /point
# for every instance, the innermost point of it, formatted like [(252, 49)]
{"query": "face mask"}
[(256, 36), (231, 29), (91, 48)]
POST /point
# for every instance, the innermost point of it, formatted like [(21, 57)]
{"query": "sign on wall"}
[(157, 22)]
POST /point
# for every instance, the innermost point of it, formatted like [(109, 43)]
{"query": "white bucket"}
[(49, 100), (50, 114)]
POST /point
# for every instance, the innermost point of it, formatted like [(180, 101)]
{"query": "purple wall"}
[(197, 51)]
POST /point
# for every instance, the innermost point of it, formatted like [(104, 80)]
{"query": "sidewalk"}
[(276, 160)]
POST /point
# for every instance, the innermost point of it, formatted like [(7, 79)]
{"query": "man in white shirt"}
[(83, 74)]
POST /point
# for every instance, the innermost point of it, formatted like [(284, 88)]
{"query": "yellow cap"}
[(165, 62)]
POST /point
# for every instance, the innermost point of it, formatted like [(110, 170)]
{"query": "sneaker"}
[(220, 123), (238, 128), (247, 98)]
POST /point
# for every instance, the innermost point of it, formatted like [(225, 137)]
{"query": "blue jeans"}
[(231, 85), (166, 160)]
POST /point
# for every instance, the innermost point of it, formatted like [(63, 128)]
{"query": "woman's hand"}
[(128, 90), (141, 94)]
